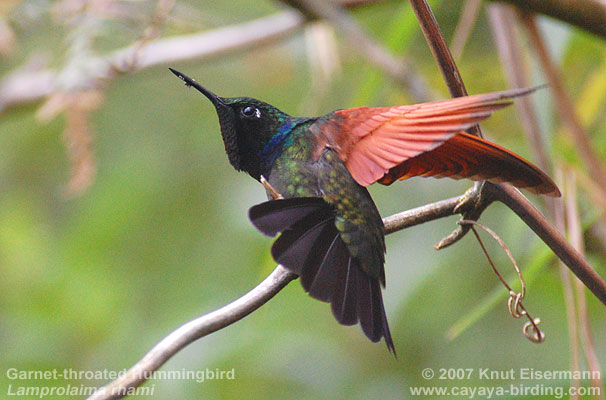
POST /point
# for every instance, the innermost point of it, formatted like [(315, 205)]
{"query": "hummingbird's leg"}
[(471, 205), (270, 189), (471, 198)]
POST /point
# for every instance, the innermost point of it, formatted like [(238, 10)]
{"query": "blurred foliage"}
[(161, 236)]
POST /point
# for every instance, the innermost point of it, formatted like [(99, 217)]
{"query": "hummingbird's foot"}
[(270, 189), (470, 205), (470, 199)]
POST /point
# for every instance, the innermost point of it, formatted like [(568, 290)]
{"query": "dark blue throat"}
[(276, 144)]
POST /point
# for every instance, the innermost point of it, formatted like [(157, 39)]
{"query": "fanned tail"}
[(310, 246)]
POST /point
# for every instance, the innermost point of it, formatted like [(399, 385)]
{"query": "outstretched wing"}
[(374, 142), (310, 245), (468, 156)]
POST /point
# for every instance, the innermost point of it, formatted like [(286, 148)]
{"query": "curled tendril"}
[(532, 332), (514, 303)]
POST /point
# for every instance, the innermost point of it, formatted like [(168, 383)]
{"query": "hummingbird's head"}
[(247, 126)]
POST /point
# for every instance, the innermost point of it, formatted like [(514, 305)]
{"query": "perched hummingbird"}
[(332, 235)]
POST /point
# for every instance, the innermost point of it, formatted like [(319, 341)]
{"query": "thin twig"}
[(163, 9), (357, 3), (519, 204), (505, 249), (374, 52), (25, 87), (575, 233), (516, 308), (566, 278), (78, 137), (503, 24), (20, 88), (467, 21), (193, 331)]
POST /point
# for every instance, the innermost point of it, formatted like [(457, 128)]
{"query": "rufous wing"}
[(374, 142), (468, 156)]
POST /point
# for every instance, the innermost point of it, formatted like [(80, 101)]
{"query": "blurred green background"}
[(93, 281)]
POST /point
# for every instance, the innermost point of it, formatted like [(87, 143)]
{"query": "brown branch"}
[(280, 277), (340, 3), (519, 204), (505, 193), (503, 22), (456, 87), (357, 3), (589, 15), (420, 215), (25, 87), (193, 330), (209, 44), (439, 49), (232, 312)]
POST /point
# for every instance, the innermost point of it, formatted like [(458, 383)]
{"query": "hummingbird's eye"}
[(250, 111)]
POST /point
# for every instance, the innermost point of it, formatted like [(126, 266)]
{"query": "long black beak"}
[(216, 100)]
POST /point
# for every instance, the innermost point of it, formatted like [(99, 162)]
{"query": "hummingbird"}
[(331, 232)]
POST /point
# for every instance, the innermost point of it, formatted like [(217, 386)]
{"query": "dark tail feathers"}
[(310, 246)]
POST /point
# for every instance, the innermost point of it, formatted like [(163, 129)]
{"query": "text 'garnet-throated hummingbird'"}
[(332, 235)]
